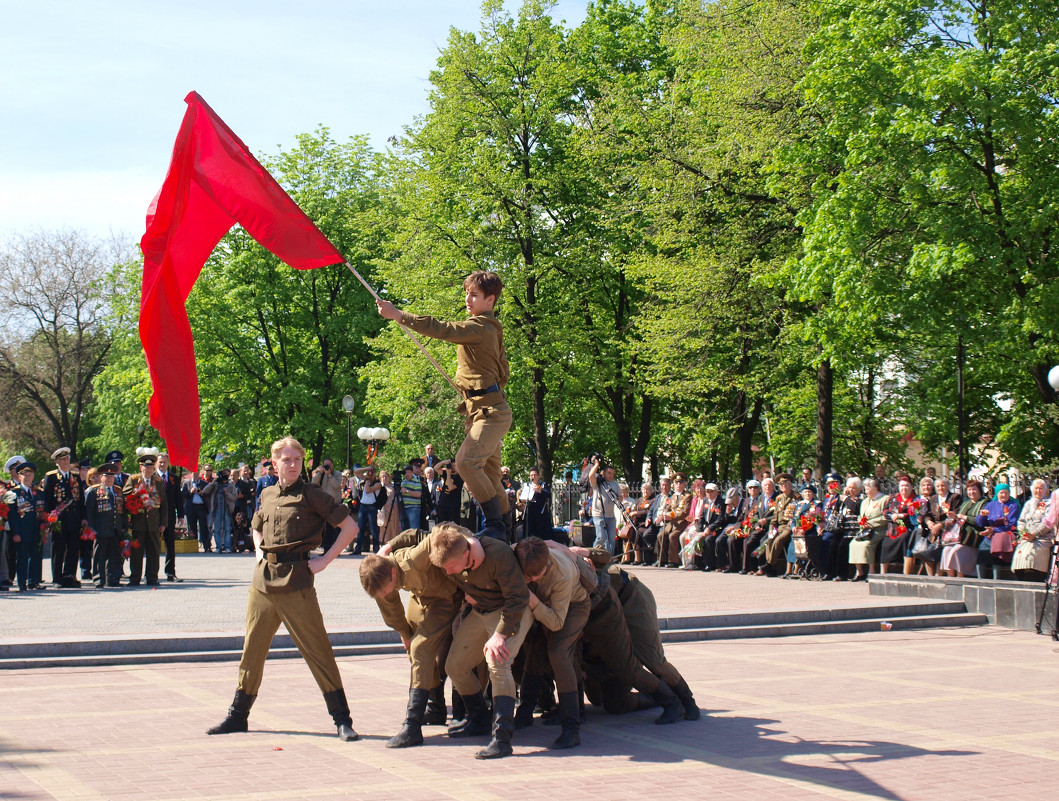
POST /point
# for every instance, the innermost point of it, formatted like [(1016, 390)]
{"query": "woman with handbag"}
[(872, 523), (1037, 533), (999, 519), (962, 535), (928, 546)]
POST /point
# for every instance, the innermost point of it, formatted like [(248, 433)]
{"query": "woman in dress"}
[(902, 516), (936, 519), (872, 523), (962, 534), (1036, 535), (998, 519)]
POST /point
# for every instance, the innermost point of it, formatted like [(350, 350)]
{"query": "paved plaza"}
[(962, 714)]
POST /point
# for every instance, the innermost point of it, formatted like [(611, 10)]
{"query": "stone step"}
[(98, 651)]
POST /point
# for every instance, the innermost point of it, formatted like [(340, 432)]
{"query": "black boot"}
[(436, 713), (476, 723), (683, 692), (528, 693), (494, 520), (672, 709), (338, 708), (459, 712), (503, 728), (238, 712), (570, 704), (411, 732)]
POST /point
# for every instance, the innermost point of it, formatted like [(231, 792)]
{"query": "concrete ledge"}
[(1012, 604)]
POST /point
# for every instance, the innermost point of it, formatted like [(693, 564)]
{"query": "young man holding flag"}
[(481, 375)]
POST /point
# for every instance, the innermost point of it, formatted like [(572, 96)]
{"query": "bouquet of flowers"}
[(3, 509), (88, 534), (138, 502)]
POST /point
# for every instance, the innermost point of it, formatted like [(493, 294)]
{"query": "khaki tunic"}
[(776, 547), (677, 508), (432, 606), (481, 360), (291, 521)]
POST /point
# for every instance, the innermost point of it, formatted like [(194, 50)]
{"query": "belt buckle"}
[(270, 557)]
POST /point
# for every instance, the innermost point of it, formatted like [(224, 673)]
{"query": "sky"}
[(92, 94)]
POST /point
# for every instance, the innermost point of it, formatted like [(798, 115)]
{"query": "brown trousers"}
[(431, 637), (478, 459), (465, 653), (300, 613), (554, 653)]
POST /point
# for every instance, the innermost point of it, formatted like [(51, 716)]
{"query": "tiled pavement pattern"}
[(919, 716), (213, 599)]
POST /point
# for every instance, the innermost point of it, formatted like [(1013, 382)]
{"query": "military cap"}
[(22, 467), (414, 462), (85, 463), (680, 477), (832, 477), (784, 477), (11, 463), (58, 453), (808, 486), (267, 463), (108, 469), (753, 483), (115, 456), (147, 455)]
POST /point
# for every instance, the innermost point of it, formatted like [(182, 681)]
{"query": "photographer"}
[(372, 496), (605, 495), (324, 477), (449, 491), (221, 496)]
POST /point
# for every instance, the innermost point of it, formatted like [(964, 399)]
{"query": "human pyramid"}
[(479, 611)]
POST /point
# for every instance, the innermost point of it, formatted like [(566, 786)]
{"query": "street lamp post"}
[(139, 430), (374, 439), (347, 405)]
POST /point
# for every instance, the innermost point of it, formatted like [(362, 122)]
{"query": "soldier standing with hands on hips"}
[(287, 528), (481, 374)]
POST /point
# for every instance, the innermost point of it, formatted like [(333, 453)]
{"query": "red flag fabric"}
[(213, 183)]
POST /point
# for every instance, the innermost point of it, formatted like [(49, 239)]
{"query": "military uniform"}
[(146, 541), (59, 490), (26, 512), (291, 521), (676, 522), (481, 374), (776, 545), (434, 599), (105, 514)]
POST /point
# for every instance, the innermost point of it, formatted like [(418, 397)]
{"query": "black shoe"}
[(569, 704), (411, 732), (238, 712), (503, 728), (436, 713), (476, 723), (134, 582), (687, 700), (672, 709), (338, 709), (174, 578)]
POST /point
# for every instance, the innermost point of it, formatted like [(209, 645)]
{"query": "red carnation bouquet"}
[(3, 510)]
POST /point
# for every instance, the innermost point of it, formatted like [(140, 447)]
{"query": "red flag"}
[(213, 183)]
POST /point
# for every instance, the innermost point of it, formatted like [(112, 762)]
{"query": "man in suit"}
[(196, 509), (64, 494), (175, 510), (26, 511), (149, 523)]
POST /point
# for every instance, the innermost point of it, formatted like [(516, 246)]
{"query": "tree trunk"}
[(825, 415)]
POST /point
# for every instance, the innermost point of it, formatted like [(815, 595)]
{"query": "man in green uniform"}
[(426, 627), (494, 620), (779, 534), (481, 375), (287, 528), (676, 518), (148, 520), (560, 607)]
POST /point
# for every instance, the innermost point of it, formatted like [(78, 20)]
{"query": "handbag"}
[(863, 535), (626, 531), (925, 548), (952, 534), (1002, 543)]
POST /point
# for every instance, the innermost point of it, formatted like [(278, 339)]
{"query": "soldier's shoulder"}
[(51, 473)]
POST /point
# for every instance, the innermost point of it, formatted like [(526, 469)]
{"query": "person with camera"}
[(221, 495), (323, 476), (372, 497), (605, 496), (450, 490)]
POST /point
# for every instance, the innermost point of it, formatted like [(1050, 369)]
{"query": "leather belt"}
[(286, 558), (477, 393)]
